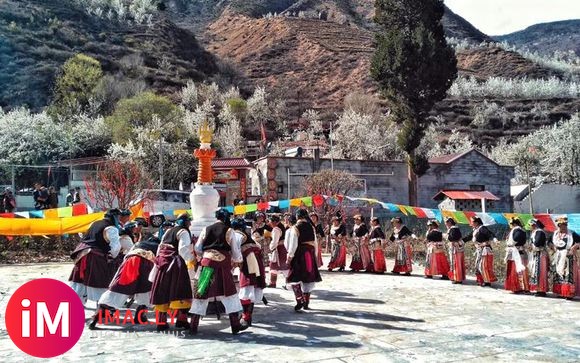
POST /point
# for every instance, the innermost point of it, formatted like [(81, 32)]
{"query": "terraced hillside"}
[(316, 63)]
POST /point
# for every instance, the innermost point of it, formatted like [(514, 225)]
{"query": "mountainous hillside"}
[(196, 15), (459, 28), (547, 38), (317, 63), (38, 36)]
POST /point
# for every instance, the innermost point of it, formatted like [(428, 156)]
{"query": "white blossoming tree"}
[(361, 136), (229, 136)]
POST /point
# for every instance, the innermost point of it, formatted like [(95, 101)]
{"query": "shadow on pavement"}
[(342, 296)]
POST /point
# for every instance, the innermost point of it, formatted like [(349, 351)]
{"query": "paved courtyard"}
[(356, 318)]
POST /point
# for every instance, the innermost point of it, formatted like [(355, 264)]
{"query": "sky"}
[(499, 17)]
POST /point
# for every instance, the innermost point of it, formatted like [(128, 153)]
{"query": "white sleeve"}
[(199, 244), (235, 242), (126, 243), (276, 234), (185, 246), (291, 241), (316, 246), (112, 235)]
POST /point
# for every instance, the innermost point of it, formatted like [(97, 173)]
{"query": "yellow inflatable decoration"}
[(43, 227)]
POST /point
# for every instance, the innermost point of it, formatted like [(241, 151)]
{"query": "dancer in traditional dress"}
[(361, 259), (482, 237), (126, 239), (456, 252), (91, 273), (171, 288), (301, 246), (219, 250), (252, 272), (261, 234), (517, 277), (337, 243), (278, 252), (319, 236), (404, 257), (436, 259), (131, 282), (567, 244), (376, 240), (540, 260)]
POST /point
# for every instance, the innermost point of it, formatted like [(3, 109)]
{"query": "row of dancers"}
[(530, 259)]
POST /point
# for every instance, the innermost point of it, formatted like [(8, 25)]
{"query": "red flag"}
[(263, 133)]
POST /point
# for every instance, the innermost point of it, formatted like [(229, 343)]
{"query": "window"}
[(477, 187)]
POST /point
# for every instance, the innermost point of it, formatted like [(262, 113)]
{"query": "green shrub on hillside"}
[(138, 111), (75, 88)]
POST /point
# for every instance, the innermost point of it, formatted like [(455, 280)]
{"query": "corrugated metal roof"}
[(230, 163), (444, 159), (465, 195)]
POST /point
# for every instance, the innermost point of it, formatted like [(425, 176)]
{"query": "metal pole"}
[(483, 205), (13, 181), (160, 162), (331, 155), (529, 189), (288, 171)]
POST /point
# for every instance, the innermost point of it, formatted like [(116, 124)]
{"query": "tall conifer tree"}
[(414, 67)]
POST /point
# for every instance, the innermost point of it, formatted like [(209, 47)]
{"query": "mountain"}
[(547, 38), (459, 28), (315, 63), (38, 36)]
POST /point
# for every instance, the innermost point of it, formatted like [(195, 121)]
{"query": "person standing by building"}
[(566, 243), (171, 289), (517, 279), (219, 252), (456, 252), (69, 198), (482, 237), (278, 251), (52, 197), (8, 201), (337, 243), (301, 246), (376, 239), (252, 272), (435, 259), (404, 253), (540, 260), (40, 196), (77, 195)]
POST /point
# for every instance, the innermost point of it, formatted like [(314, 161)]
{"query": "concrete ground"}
[(355, 318)]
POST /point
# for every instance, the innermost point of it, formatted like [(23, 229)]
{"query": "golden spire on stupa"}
[(205, 133)]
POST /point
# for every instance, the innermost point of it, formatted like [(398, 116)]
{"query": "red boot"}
[(181, 321), (306, 300), (194, 324), (273, 279), (162, 322), (299, 297), (246, 313), (235, 323)]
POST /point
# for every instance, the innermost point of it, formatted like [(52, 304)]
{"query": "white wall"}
[(558, 198)]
